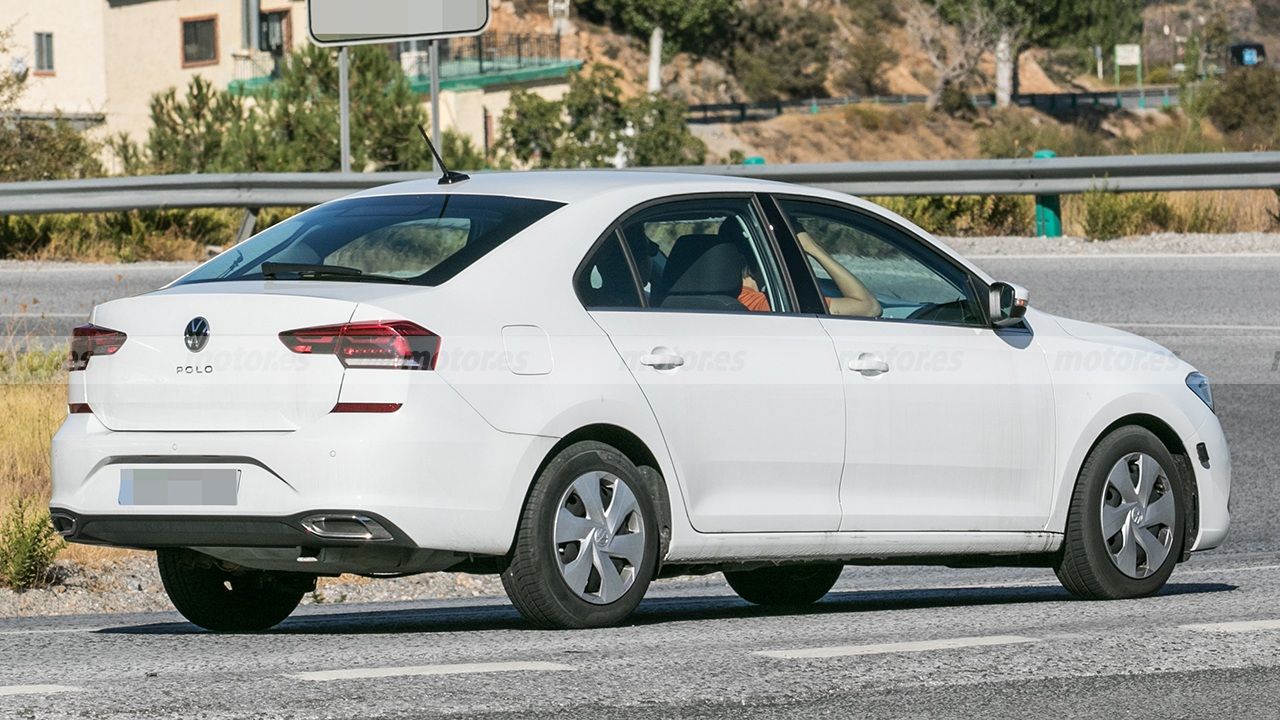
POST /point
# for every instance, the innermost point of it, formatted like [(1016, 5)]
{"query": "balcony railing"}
[(488, 54)]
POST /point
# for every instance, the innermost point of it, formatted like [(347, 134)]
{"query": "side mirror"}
[(1008, 304)]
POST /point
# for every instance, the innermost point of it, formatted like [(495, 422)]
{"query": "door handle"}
[(869, 364), (661, 358)]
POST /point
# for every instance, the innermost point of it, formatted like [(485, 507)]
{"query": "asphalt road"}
[(889, 642)]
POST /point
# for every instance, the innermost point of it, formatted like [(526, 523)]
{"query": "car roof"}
[(578, 186), (569, 186)]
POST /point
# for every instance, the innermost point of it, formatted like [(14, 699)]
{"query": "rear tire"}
[(1130, 482), (786, 585), (223, 601), (588, 541)]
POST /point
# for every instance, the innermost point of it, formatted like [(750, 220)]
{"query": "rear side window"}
[(418, 239), (606, 280)]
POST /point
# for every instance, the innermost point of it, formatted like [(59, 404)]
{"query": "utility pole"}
[(344, 107)]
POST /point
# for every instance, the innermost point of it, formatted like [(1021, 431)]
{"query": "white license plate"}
[(179, 486)]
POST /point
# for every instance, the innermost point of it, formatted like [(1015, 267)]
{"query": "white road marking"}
[(904, 647), (456, 669), (1235, 627), (1123, 256), (39, 315), (36, 689), (1183, 326)]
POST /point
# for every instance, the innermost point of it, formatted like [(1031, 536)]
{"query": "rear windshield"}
[(418, 239)]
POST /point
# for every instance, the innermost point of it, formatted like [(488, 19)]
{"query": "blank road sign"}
[(355, 22), (1128, 55)]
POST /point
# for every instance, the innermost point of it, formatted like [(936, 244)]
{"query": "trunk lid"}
[(242, 379)]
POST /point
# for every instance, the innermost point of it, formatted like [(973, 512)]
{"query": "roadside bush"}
[(957, 215), (867, 60), (1015, 134), (1109, 215), (28, 544), (1247, 101)]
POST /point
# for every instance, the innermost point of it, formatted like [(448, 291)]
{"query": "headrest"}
[(703, 265)]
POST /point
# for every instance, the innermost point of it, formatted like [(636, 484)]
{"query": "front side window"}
[(44, 53), (200, 41), (705, 254), (416, 239), (866, 267)]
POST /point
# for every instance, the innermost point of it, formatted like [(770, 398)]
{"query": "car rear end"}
[(293, 419)]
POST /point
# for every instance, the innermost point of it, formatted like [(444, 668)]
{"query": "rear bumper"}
[(152, 532), (434, 470)]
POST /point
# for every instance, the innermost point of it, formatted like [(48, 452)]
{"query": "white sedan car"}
[(584, 381)]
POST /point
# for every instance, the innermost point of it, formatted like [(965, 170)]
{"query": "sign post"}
[(341, 23), (1130, 56), (344, 108)]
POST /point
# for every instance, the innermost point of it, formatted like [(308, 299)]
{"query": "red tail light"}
[(395, 344), (366, 407), (79, 408), (90, 340)]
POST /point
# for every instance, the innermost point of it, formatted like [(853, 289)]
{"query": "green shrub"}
[(781, 52), (1015, 134), (28, 544), (38, 366), (867, 60), (1248, 102), (956, 215), (1109, 215)]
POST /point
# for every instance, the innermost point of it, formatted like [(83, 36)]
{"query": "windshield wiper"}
[(306, 271)]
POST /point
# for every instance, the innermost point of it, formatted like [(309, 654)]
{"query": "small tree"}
[(289, 126), (954, 48), (38, 149), (594, 124)]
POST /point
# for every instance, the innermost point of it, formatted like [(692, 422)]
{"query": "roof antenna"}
[(447, 176)]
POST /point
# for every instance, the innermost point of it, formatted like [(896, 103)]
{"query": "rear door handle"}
[(661, 358), (869, 364)]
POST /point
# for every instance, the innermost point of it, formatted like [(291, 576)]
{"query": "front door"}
[(950, 422), (749, 400)]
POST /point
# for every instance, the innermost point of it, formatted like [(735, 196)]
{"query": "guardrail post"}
[(1048, 207), (247, 224)]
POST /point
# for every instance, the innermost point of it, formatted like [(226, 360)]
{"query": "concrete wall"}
[(464, 110), (78, 82), (144, 51)]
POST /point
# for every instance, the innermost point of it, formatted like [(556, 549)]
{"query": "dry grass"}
[(1212, 212), (33, 403)]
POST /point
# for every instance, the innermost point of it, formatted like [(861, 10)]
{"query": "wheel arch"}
[(640, 455), (1172, 442)]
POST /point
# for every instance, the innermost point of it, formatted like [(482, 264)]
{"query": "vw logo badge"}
[(197, 334)]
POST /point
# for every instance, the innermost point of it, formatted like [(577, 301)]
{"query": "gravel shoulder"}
[(132, 584), (1159, 244)]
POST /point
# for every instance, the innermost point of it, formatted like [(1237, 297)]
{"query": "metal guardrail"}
[(1056, 176), (1160, 96)]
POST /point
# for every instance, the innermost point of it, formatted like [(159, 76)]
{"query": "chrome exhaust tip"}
[(64, 525), (345, 527)]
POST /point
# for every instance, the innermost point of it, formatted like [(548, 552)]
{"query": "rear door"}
[(749, 401)]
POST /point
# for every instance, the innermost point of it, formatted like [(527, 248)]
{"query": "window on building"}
[(44, 53), (199, 41)]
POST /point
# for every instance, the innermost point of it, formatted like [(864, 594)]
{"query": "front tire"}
[(587, 545), (224, 601), (1126, 523), (786, 585)]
